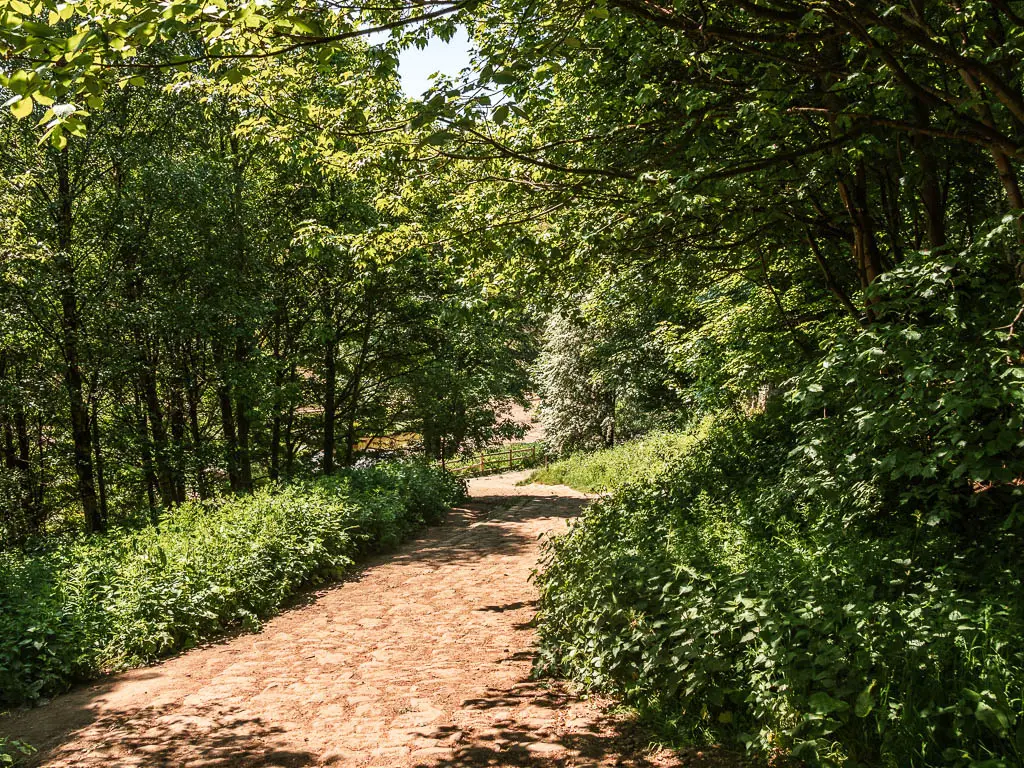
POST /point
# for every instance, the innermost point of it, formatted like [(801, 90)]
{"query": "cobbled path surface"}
[(422, 658)]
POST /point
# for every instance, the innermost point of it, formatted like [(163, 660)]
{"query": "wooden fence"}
[(504, 459)]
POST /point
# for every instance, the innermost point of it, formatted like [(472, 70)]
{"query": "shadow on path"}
[(173, 736), (539, 724), (144, 717), (484, 528)]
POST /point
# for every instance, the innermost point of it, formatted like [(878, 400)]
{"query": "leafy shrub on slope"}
[(840, 577), (130, 597), (727, 607)]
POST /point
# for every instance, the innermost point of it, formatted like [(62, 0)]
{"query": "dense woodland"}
[(191, 308), (788, 233)]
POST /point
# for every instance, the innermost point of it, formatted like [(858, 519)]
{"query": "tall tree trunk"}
[(866, 256), (18, 459), (356, 387), (1004, 167), (176, 414), (932, 199), (198, 443), (94, 419), (243, 419), (81, 436), (290, 447), (227, 419), (31, 500), (330, 401), (146, 454), (274, 468), (41, 454), (161, 450)]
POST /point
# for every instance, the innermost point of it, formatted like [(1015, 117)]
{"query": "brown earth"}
[(422, 659)]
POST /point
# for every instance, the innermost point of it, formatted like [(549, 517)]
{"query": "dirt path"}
[(423, 659)]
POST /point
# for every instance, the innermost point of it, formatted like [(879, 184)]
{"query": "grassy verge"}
[(636, 461), (130, 597)]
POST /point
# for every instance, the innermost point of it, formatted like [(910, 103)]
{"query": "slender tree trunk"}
[(866, 257), (192, 397), (274, 465), (356, 389), (98, 449), (831, 283), (161, 450), (1004, 167), (32, 504), (227, 420), (198, 443), (932, 198), (81, 436), (243, 420), (290, 447), (330, 401), (177, 419), (146, 451), (274, 469), (18, 459), (41, 453)]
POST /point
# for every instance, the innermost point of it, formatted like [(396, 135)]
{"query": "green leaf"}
[(865, 701), (996, 720), (439, 138), (501, 114), (822, 704), (22, 108)]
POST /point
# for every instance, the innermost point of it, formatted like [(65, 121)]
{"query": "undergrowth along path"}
[(423, 658)]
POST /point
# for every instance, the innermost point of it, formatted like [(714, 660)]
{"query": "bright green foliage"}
[(65, 57), (921, 413), (728, 608), (223, 301), (129, 597), (12, 751), (638, 461), (838, 576)]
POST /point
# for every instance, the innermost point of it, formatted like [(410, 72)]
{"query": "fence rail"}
[(503, 459)]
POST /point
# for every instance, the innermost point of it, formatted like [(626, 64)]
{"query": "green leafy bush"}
[(924, 408), (636, 461), (13, 752), (132, 596), (727, 605)]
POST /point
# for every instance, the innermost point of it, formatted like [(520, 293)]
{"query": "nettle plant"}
[(921, 411), (12, 751)]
